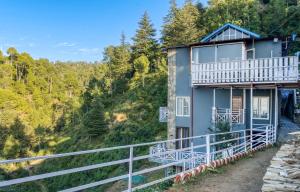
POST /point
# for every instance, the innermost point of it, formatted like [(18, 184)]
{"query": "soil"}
[(244, 175)]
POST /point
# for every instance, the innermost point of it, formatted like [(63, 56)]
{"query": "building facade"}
[(232, 75)]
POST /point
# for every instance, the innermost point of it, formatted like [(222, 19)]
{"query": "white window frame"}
[(268, 103), (187, 99)]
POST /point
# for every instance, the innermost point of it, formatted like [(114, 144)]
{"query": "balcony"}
[(226, 115), (266, 70)]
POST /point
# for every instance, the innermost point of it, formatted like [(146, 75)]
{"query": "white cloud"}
[(89, 50), (31, 44), (65, 44)]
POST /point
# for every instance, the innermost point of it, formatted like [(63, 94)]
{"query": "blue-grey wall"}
[(226, 32), (183, 83), (260, 92), (203, 97), (263, 49)]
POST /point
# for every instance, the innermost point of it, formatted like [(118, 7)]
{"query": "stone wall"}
[(284, 171), (171, 95)]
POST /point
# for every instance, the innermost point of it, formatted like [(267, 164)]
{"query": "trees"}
[(242, 13), (94, 121), (141, 66), (182, 25), (2, 58), (144, 42)]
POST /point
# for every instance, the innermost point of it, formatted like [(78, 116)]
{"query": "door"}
[(182, 132), (237, 112), (237, 103)]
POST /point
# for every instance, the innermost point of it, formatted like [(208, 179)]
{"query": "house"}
[(232, 75)]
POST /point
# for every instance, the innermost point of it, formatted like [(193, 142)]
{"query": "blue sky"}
[(73, 29)]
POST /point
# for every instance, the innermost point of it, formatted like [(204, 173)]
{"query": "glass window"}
[(182, 106), (261, 107)]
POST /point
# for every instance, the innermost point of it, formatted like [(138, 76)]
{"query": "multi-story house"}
[(232, 75)]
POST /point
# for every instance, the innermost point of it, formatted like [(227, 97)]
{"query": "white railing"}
[(265, 70), (226, 115), (200, 150)]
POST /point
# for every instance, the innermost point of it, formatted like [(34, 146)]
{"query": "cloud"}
[(89, 50), (31, 44), (65, 44)]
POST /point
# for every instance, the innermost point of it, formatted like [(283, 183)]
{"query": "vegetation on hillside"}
[(48, 107)]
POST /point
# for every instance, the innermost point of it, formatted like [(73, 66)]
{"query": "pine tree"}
[(181, 25), (94, 120), (144, 42)]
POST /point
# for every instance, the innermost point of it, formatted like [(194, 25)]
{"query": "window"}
[(183, 106), (181, 133), (261, 108)]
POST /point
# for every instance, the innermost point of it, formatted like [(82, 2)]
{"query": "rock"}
[(283, 174)]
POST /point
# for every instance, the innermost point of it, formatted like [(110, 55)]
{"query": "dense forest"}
[(53, 107)]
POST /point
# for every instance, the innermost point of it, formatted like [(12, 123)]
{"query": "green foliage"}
[(223, 127), (48, 107), (141, 66), (144, 42), (181, 25), (94, 120)]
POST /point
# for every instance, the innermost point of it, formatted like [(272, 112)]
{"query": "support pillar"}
[(271, 106), (230, 112), (251, 115), (244, 105), (214, 109), (276, 113)]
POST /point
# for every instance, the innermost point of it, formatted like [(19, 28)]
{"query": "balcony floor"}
[(262, 85)]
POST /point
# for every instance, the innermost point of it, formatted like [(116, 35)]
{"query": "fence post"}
[(267, 134), (207, 149), (192, 154), (130, 169), (245, 140)]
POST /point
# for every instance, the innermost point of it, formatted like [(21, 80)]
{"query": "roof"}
[(227, 25), (223, 41)]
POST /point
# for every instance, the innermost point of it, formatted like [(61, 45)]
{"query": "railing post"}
[(192, 154), (245, 140), (207, 149), (267, 134), (130, 169)]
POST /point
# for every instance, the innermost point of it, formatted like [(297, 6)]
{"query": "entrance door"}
[(237, 103), (182, 132), (237, 106)]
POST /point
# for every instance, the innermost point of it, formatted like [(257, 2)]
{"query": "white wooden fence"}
[(201, 150), (226, 115), (265, 70)]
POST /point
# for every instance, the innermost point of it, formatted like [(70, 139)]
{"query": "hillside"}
[(54, 107)]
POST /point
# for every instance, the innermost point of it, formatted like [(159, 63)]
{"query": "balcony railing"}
[(226, 115), (266, 70)]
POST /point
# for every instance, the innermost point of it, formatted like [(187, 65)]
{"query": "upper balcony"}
[(264, 71)]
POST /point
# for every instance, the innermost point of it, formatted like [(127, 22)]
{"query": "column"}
[(244, 105), (276, 113), (251, 114)]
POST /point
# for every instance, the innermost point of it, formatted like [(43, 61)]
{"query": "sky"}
[(74, 30)]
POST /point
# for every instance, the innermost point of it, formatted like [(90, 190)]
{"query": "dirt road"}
[(245, 175)]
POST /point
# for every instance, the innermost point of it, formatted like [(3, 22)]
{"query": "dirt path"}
[(245, 175)]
